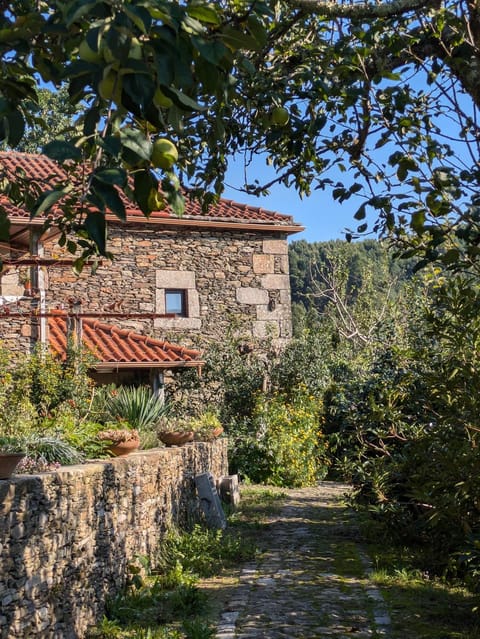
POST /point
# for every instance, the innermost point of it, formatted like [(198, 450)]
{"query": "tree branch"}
[(361, 9)]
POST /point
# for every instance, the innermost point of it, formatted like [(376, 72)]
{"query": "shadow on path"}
[(309, 580)]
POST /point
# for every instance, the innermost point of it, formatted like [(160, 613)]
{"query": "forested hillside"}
[(349, 285), (334, 272)]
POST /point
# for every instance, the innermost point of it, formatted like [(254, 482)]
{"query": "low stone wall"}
[(66, 537)]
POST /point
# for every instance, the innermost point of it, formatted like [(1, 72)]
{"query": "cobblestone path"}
[(311, 578)]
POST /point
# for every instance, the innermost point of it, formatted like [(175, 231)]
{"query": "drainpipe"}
[(74, 323), (37, 277)]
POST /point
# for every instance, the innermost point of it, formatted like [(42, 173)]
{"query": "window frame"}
[(184, 301)]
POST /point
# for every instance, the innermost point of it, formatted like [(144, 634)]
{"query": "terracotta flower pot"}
[(124, 448), (210, 435), (8, 463), (175, 438)]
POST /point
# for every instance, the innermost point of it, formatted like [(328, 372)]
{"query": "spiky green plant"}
[(51, 449), (137, 405)]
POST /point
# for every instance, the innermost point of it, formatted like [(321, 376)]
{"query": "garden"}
[(53, 414), (394, 415)]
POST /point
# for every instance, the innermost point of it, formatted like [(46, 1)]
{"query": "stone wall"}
[(66, 537), (232, 278), (18, 329)]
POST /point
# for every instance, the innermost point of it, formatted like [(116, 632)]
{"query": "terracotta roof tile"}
[(118, 346), (45, 172)]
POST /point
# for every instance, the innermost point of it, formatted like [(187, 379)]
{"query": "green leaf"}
[(78, 9), (72, 247), (140, 17), (112, 176), (92, 118), (402, 172), (61, 150), (79, 68), (239, 40), (451, 256), (139, 88), (16, 127), (133, 66), (182, 100), (214, 51), (177, 202), (361, 213), (78, 265), (192, 26), (110, 196), (257, 30), (96, 227), (418, 221), (204, 13), (143, 183), (4, 226), (111, 144), (137, 142), (48, 199)]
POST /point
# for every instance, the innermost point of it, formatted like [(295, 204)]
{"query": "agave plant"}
[(51, 449), (137, 406)]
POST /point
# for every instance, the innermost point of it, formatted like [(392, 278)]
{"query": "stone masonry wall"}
[(239, 278), (66, 537)]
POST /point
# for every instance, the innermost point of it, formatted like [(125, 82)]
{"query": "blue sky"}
[(323, 217)]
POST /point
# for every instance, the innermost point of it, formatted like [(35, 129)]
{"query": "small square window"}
[(176, 302)]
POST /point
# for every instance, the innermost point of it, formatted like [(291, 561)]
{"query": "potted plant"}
[(206, 427), (174, 431), (120, 441), (10, 454), (24, 279)]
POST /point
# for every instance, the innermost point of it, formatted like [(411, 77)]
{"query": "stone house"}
[(172, 281)]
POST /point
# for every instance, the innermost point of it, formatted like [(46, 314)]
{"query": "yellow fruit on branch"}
[(164, 153), (110, 87), (156, 201), (279, 116), (86, 53)]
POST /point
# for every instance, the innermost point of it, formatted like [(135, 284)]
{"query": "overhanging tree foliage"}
[(389, 94)]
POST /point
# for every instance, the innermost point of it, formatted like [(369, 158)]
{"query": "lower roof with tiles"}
[(117, 348)]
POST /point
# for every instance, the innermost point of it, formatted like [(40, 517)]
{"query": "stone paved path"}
[(311, 580)]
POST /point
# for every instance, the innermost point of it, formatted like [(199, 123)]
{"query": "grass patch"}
[(420, 605), (203, 552), (347, 562), (166, 601), (258, 503)]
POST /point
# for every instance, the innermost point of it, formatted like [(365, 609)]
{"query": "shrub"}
[(283, 444)]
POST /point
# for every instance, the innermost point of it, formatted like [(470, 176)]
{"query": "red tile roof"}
[(45, 172), (118, 347)]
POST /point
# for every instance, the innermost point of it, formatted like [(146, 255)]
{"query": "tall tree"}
[(52, 118), (387, 93)]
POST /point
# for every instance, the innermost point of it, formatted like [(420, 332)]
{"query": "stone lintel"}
[(275, 247), (263, 263), (175, 279), (276, 282), (249, 295)]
